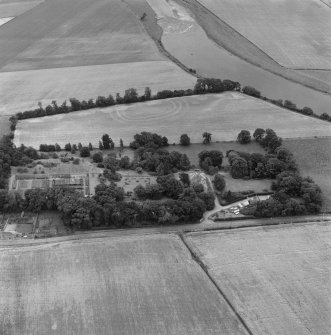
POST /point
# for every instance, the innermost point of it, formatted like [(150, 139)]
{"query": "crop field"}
[(295, 33), (223, 115), (78, 48), (323, 75), (277, 278), (75, 33), (128, 285), (23, 90), (314, 159)]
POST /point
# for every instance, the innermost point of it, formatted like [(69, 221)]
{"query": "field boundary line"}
[(131, 232), (159, 44), (269, 67), (237, 32), (196, 258), (325, 4)]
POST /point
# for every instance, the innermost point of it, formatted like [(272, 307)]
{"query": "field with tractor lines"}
[(61, 49), (22, 90), (295, 33), (277, 278), (224, 115), (125, 285)]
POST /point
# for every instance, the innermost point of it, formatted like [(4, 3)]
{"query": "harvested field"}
[(277, 278), (224, 115), (323, 75), (23, 90), (314, 159), (128, 285), (295, 33), (66, 33), (181, 31)]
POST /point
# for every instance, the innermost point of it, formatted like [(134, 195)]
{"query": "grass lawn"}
[(238, 185)]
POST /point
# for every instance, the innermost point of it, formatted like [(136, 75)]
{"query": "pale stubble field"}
[(224, 115), (128, 285), (277, 278)]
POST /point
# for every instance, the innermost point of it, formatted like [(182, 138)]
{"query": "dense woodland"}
[(169, 200)]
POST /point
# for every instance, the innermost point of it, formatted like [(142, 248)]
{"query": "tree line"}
[(293, 194), (202, 86)]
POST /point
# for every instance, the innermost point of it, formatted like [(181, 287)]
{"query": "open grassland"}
[(277, 278), (293, 32), (314, 159), (22, 90), (224, 115), (60, 33), (128, 285)]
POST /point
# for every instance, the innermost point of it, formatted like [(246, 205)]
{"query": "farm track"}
[(204, 268), (179, 229), (230, 39)]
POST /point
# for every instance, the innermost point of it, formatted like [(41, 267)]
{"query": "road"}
[(203, 226)]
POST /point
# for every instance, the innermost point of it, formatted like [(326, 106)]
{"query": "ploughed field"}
[(124, 285), (277, 278), (295, 33), (59, 49), (223, 115)]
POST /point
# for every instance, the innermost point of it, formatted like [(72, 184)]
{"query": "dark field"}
[(314, 159)]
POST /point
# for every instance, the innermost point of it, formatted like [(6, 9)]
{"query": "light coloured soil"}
[(294, 32), (314, 159), (5, 20), (66, 33), (223, 115), (17, 7), (124, 285), (23, 90), (277, 278)]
